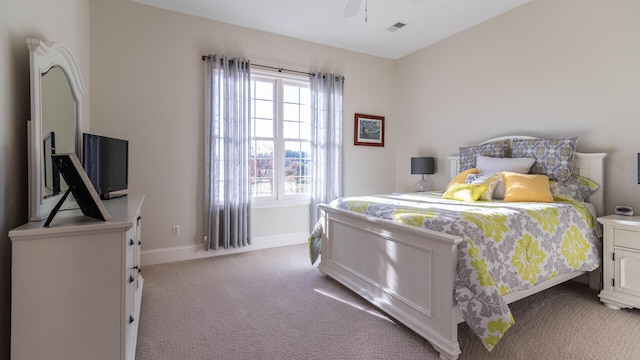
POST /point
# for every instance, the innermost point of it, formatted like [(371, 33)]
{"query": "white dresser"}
[(76, 286), (621, 261)]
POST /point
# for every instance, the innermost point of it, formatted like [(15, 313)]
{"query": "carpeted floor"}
[(272, 304)]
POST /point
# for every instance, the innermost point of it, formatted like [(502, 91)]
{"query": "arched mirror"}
[(54, 128)]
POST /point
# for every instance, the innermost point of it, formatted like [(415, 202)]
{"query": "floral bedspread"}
[(506, 247)]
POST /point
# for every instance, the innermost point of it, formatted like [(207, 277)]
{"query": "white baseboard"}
[(190, 252)]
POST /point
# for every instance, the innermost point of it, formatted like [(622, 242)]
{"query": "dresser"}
[(621, 261), (76, 286)]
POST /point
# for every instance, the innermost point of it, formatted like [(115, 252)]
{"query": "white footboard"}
[(406, 271)]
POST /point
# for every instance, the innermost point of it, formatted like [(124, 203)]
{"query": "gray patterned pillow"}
[(469, 154), (577, 187), (554, 157)]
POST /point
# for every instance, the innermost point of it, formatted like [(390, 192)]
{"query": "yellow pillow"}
[(465, 192), (462, 177), (523, 187)]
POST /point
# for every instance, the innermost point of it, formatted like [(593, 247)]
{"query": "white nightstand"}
[(621, 261)]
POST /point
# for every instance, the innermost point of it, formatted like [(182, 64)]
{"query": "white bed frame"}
[(409, 272)]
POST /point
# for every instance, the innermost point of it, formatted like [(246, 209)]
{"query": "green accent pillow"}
[(490, 179), (465, 192)]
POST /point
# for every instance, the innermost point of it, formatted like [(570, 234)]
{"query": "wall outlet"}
[(175, 230)]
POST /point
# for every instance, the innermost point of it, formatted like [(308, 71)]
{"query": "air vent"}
[(395, 27)]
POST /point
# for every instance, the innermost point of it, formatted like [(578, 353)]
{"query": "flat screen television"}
[(106, 162)]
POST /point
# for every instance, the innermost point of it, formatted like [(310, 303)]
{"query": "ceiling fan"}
[(354, 5), (352, 8)]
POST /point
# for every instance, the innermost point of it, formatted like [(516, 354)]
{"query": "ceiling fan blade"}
[(352, 8)]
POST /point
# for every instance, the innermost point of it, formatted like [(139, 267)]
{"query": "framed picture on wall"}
[(368, 130)]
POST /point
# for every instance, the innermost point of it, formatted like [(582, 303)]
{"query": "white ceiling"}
[(323, 21)]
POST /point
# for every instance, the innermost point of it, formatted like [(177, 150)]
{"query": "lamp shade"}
[(422, 165)]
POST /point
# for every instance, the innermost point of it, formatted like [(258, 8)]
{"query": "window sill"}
[(261, 204)]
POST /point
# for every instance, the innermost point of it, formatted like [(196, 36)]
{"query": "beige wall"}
[(62, 20), (549, 68), (147, 86)]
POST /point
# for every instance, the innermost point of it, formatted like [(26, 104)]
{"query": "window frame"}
[(279, 198)]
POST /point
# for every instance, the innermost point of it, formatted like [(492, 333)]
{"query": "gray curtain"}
[(326, 140), (227, 151)]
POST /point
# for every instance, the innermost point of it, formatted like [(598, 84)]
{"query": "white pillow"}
[(488, 165)]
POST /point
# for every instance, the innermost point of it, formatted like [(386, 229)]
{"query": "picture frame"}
[(80, 186), (368, 130)]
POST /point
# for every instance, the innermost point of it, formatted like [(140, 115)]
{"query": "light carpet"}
[(272, 304)]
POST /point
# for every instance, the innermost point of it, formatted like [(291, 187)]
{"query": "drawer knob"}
[(131, 242), (139, 242), (131, 279), (131, 319)]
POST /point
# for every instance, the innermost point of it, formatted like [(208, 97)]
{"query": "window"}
[(281, 133)]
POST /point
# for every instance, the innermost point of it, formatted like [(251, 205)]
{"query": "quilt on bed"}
[(506, 247)]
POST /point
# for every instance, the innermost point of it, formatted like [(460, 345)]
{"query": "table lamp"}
[(423, 166)]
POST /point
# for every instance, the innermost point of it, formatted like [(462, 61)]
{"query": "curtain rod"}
[(204, 57)]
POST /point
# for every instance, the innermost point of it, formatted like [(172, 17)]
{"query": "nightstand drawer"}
[(627, 272), (627, 238)]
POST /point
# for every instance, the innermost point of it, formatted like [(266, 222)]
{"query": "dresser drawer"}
[(627, 238)]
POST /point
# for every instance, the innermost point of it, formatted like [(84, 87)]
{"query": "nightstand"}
[(621, 261)]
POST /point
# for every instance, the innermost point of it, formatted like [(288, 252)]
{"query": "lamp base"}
[(422, 185)]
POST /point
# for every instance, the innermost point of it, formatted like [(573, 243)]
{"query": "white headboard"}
[(589, 165)]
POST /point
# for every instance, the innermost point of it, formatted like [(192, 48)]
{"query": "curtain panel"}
[(227, 152), (326, 140)]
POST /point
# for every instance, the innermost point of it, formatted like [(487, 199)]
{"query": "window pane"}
[(291, 158), (291, 130), (305, 96), (291, 148), (262, 168), (296, 169), (291, 94), (305, 113), (262, 187), (291, 112), (263, 109), (264, 128), (263, 90), (305, 147), (305, 130)]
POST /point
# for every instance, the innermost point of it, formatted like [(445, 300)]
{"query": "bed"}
[(410, 272)]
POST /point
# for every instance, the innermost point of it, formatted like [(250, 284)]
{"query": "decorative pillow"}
[(469, 154), (465, 192), (577, 187), (523, 187), (462, 177), (554, 157), (488, 165), (490, 179)]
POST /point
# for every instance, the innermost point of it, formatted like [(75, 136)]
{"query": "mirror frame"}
[(42, 57)]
